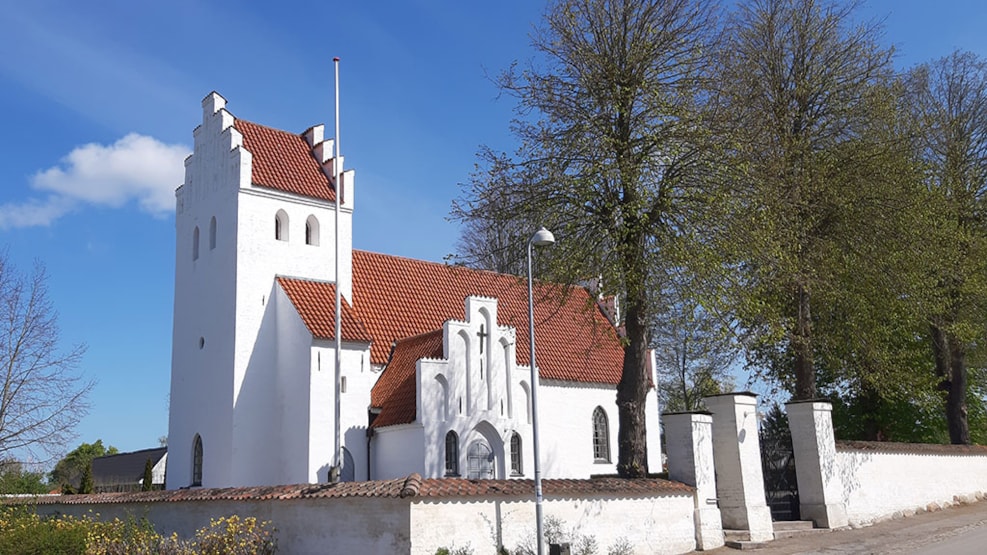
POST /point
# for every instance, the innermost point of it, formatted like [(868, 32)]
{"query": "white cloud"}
[(136, 168), (33, 212)]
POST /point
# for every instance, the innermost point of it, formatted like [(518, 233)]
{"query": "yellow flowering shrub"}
[(23, 532), (236, 536)]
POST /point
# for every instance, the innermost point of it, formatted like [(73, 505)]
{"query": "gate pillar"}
[(737, 456), (820, 483), (689, 443)]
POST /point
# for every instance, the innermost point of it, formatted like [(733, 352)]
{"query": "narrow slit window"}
[(516, 469), (197, 461)]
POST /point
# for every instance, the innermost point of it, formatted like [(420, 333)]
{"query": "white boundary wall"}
[(863, 482), (879, 484), (650, 524), (659, 523)]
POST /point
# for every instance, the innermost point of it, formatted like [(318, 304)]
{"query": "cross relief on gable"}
[(479, 362)]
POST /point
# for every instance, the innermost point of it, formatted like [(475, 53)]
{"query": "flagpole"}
[(335, 473)]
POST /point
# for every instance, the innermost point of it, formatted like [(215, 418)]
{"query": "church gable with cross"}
[(467, 391), (434, 357)]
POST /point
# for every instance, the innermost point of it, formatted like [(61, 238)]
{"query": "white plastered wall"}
[(398, 451), (359, 377), (566, 411), (648, 524), (879, 485), (201, 398)]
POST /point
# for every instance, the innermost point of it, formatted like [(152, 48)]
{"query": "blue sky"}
[(98, 101)]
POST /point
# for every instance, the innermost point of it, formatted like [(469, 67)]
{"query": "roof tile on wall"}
[(412, 486)]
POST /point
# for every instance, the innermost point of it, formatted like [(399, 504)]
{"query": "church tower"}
[(257, 203)]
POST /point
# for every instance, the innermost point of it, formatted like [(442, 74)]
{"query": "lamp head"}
[(542, 238)]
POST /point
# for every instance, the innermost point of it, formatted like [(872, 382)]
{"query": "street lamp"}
[(541, 238)]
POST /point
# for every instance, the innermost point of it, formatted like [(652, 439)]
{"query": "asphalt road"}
[(958, 530)]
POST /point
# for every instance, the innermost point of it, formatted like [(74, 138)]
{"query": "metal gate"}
[(781, 489)]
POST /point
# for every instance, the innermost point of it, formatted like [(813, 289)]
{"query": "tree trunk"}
[(871, 404), (632, 458), (940, 352), (956, 413), (805, 372), (950, 360)]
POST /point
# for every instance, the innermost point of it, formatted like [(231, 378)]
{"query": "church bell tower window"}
[(281, 225)]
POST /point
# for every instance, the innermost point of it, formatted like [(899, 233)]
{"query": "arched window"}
[(212, 233), (516, 469), (197, 461), (479, 461), (452, 454), (281, 225), (312, 231), (195, 243), (601, 436)]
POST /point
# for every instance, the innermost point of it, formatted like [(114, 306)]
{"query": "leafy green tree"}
[(147, 482), (822, 183), (949, 99), (69, 470), (16, 480), (612, 160)]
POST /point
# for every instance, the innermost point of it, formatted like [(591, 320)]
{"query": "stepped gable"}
[(315, 302), (395, 392), (401, 297), (284, 161)]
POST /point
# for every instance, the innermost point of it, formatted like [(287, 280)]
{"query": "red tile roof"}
[(284, 161), (400, 297), (315, 302), (411, 486), (395, 390)]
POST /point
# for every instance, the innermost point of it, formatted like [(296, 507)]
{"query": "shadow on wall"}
[(848, 464), (355, 455), (255, 410)]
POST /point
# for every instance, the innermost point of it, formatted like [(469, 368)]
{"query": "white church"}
[(434, 357)]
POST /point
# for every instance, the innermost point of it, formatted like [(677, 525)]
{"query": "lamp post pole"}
[(541, 238)]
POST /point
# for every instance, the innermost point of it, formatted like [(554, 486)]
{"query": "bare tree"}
[(43, 395), (693, 352)]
